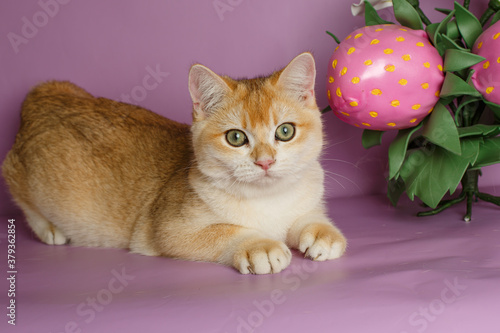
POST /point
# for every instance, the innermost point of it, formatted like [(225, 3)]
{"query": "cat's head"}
[(256, 132)]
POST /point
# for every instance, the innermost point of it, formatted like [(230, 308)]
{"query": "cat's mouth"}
[(262, 177)]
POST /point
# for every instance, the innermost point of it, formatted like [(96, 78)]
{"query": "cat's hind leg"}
[(46, 231)]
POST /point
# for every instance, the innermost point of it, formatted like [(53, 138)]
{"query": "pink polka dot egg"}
[(486, 77), (384, 77)]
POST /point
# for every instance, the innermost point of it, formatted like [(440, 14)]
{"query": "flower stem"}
[(486, 16), (423, 17), (493, 7)]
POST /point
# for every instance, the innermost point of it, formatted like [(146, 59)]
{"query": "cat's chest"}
[(273, 213)]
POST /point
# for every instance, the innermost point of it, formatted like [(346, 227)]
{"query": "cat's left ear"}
[(298, 78), (207, 91)]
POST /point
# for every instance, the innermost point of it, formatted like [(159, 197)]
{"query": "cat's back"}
[(61, 114), (92, 159)]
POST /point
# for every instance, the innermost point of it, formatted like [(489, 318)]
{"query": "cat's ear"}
[(207, 91), (298, 78)]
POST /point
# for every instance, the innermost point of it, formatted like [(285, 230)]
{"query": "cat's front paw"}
[(262, 256), (322, 242)]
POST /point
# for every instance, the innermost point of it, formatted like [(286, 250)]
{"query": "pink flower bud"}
[(384, 77), (486, 77)]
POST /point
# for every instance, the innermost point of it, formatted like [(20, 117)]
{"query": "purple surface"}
[(400, 274)]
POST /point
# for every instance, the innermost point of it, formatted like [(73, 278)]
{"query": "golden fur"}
[(95, 172)]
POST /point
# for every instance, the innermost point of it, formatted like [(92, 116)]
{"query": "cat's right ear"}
[(207, 91)]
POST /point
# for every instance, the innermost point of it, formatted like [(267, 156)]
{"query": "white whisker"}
[(343, 177)]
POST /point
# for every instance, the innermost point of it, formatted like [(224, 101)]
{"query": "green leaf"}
[(337, 40), (495, 18), (431, 31), (431, 172), (398, 147), (456, 60), (451, 44), (445, 11), (479, 130), (371, 138), (495, 108), (441, 130), (489, 152), (454, 86), (464, 110), (407, 15), (395, 187), (469, 26), (452, 30), (371, 16), (325, 110), (437, 33)]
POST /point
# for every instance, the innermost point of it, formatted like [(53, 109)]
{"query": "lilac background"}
[(108, 47)]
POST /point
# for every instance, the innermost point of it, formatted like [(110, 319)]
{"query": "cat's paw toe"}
[(54, 237), (322, 242), (263, 256)]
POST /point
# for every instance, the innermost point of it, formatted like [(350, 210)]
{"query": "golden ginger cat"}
[(238, 187)]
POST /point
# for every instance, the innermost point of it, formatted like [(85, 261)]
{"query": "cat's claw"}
[(321, 242), (262, 256)]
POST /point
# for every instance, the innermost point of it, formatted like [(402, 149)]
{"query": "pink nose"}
[(265, 164)]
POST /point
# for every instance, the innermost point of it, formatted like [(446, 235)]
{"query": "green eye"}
[(285, 132), (236, 138)]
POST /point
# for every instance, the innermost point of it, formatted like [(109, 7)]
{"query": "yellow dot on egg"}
[(420, 44), (388, 51), (357, 36), (334, 63), (425, 85), (337, 48), (351, 50), (403, 29), (338, 92), (391, 124), (345, 113), (437, 93), (416, 107), (379, 29), (366, 124), (440, 68), (498, 60), (431, 110), (406, 57), (329, 94), (403, 82), (376, 92), (413, 120), (395, 103), (427, 65), (331, 79), (343, 71), (489, 90), (496, 35), (374, 41), (368, 62), (400, 39), (373, 114), (355, 80), (479, 45), (390, 68), (356, 125), (348, 37), (486, 64), (353, 103)]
